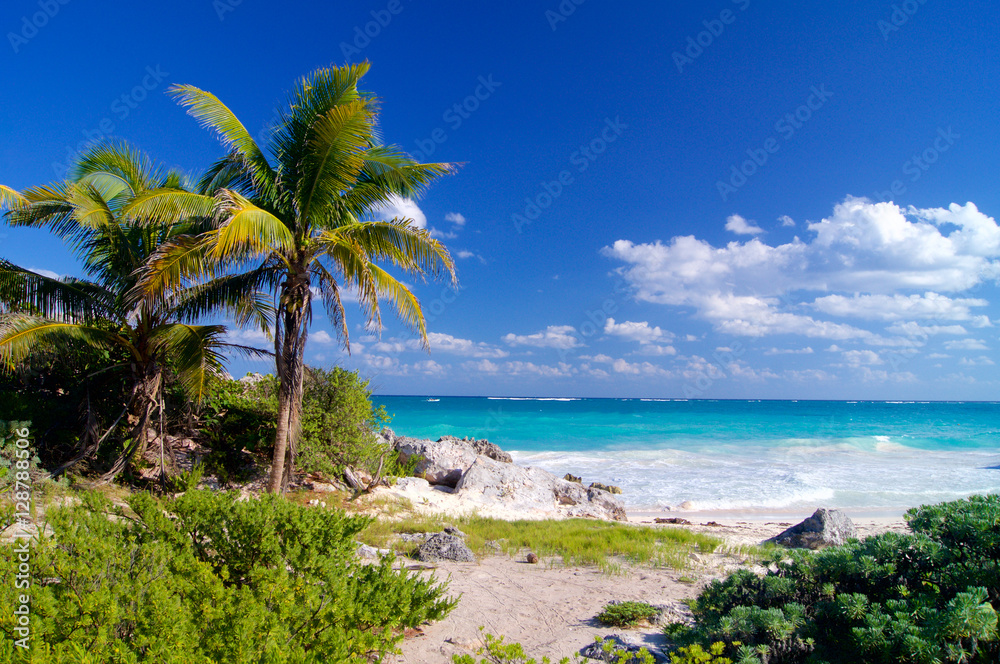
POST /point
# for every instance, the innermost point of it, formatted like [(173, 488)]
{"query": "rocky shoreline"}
[(467, 476)]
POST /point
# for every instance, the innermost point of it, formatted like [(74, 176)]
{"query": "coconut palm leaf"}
[(11, 198), (399, 242), (213, 114), (21, 335), (249, 230), (69, 300)]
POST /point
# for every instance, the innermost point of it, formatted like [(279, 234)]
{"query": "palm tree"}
[(111, 309), (305, 220)]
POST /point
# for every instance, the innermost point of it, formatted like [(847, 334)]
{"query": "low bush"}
[(627, 614), (208, 578), (925, 597), (339, 425)]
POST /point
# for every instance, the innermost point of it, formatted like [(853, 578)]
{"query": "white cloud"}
[(404, 208), (913, 329), (554, 336), (789, 351), (483, 366), (786, 221), (442, 235), (46, 273), (455, 218), (981, 361), (321, 337), (966, 344), (858, 358), (655, 350), (874, 249), (639, 368), (737, 224), (429, 368), (896, 307), (445, 343), (937, 356), (441, 343), (639, 332), (248, 338)]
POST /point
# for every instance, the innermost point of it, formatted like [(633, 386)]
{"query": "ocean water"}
[(763, 457)]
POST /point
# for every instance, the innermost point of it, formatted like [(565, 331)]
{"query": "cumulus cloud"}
[(46, 273), (455, 218), (981, 361), (786, 221), (874, 250), (858, 358), (896, 307), (321, 337), (404, 208), (913, 329), (554, 336), (789, 351), (639, 332), (441, 343), (966, 344), (737, 224), (247, 337), (639, 368)]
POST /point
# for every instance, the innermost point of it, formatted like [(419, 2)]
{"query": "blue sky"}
[(733, 199)]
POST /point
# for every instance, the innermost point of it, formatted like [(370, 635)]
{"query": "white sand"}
[(550, 609)]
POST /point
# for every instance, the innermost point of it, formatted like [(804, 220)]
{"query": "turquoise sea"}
[(764, 457)]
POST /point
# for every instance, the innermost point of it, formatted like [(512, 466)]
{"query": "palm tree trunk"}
[(289, 350), (145, 393)]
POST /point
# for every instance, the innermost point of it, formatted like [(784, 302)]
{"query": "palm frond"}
[(243, 295), (69, 300), (213, 114), (168, 206), (194, 351), (21, 335), (334, 156), (329, 291), (403, 300), (249, 229), (114, 166), (400, 242), (11, 198)]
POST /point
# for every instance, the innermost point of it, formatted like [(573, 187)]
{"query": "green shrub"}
[(208, 578), (695, 654), (338, 425), (930, 596), (495, 650), (627, 614)]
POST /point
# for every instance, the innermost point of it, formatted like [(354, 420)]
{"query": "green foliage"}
[(239, 421), (695, 654), (55, 390), (627, 614), (930, 596), (15, 459), (339, 425), (495, 650), (209, 578)]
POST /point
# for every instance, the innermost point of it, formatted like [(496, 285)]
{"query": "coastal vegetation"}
[(206, 577)]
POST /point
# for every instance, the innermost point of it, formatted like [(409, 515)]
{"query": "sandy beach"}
[(551, 609)]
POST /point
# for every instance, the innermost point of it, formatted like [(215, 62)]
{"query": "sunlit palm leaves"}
[(99, 213), (303, 217)]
